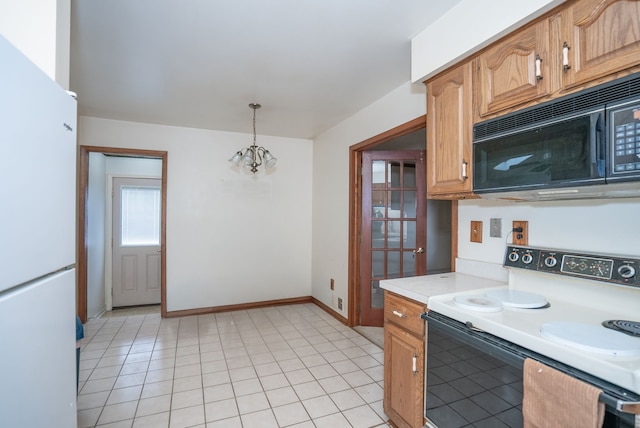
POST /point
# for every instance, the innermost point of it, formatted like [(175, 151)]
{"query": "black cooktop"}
[(631, 328)]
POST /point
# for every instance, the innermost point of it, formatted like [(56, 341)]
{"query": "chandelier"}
[(252, 157)]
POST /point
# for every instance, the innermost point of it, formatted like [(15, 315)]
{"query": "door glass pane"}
[(393, 264), (378, 172), (409, 203), (408, 263), (377, 264), (409, 174), (409, 234), (377, 234), (140, 216), (377, 295), (393, 234), (394, 173), (395, 197)]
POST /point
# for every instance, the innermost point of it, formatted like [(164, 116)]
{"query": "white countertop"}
[(581, 301), (420, 288)]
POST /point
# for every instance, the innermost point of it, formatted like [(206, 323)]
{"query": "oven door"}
[(473, 378)]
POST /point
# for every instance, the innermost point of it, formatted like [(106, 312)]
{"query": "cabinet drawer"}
[(404, 312)]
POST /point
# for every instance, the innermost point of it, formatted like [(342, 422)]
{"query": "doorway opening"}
[(85, 239), (436, 239)]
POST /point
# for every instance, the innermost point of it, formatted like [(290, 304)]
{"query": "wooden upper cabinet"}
[(515, 70), (602, 37), (449, 133)]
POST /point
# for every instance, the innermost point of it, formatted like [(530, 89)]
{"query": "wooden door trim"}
[(355, 202), (81, 243)]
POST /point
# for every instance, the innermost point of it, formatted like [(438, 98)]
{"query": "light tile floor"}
[(282, 366)]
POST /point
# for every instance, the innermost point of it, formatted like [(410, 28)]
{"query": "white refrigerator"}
[(37, 246)]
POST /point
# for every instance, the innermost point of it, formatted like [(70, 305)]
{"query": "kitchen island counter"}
[(420, 288)]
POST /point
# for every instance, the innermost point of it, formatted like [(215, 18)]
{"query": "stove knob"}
[(527, 258), (513, 256), (626, 271), (550, 261)]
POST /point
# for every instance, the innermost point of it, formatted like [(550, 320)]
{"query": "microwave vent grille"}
[(571, 104)]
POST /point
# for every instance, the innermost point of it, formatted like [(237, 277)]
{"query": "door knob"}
[(419, 250)]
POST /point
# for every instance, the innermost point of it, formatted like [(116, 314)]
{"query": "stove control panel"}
[(612, 269)]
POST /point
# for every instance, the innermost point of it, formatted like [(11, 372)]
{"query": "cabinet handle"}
[(464, 170), (399, 314), (565, 57), (415, 364), (538, 68)]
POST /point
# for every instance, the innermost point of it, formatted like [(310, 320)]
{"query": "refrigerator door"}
[(37, 171), (38, 356)]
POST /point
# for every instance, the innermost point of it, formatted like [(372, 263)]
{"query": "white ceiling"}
[(199, 63)]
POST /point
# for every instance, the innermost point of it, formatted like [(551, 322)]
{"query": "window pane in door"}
[(140, 216), (377, 234), (378, 172), (409, 234), (393, 234), (393, 264), (409, 174), (377, 264), (408, 263), (409, 203), (394, 173), (377, 295)]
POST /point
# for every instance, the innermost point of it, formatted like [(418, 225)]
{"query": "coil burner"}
[(631, 328)]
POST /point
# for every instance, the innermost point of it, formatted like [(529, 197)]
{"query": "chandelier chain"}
[(254, 106)]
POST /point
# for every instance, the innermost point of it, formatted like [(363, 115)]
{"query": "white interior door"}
[(136, 241)]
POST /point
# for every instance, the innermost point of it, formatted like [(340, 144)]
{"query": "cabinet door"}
[(403, 377), (449, 130), (603, 37), (515, 70)]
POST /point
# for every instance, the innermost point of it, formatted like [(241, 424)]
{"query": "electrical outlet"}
[(339, 303), (495, 228), (476, 231), (331, 283), (520, 232)]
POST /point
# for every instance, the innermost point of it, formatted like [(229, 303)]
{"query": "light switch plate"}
[(495, 228), (476, 231)]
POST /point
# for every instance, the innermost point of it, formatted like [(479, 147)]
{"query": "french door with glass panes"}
[(393, 224)]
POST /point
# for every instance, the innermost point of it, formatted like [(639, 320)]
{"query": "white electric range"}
[(555, 304)]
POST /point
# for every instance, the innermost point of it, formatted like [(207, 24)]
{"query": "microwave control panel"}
[(625, 138), (612, 269)]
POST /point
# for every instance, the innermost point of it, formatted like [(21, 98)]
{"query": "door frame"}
[(81, 232), (355, 210), (355, 207)]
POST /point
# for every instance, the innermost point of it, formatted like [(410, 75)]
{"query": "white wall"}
[(95, 236), (41, 29), (232, 237), (466, 28), (598, 226), (331, 185)]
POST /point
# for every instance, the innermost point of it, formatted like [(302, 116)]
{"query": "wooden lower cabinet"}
[(403, 364)]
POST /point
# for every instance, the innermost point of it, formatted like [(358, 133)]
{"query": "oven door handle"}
[(632, 407), (470, 326)]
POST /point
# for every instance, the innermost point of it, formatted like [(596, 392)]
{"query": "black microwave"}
[(579, 146)]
